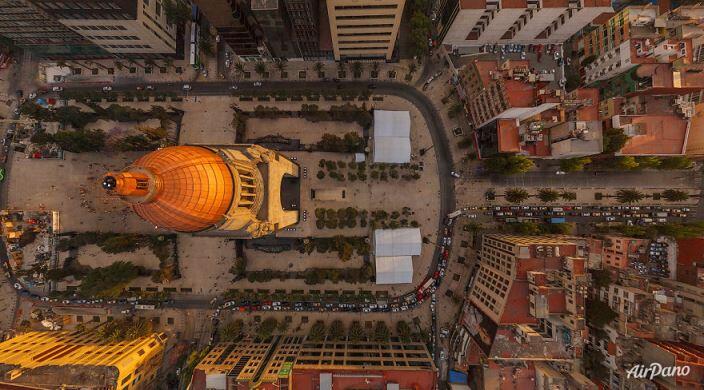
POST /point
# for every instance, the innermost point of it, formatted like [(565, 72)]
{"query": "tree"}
[(574, 164), (601, 278), (260, 68), (568, 195), (629, 196), (336, 330), (627, 162), (548, 195), (267, 327), (281, 66), (404, 331), (599, 313), (317, 331), (108, 281), (205, 44), (677, 162), (516, 195), (420, 31), (356, 332), (357, 69), (232, 331), (176, 11), (412, 67), (648, 162), (381, 331), (614, 140), (508, 164), (240, 68), (675, 195), (318, 68)]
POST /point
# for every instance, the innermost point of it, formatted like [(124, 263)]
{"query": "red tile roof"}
[(509, 140), (517, 304), (519, 93), (664, 135), (342, 379)]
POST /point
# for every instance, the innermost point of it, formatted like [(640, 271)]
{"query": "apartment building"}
[(364, 29), (683, 23), (32, 28), (619, 249), (628, 39), (120, 27), (471, 23), (296, 363), (274, 22), (80, 360)]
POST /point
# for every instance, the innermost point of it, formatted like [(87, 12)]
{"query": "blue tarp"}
[(557, 220), (458, 377)]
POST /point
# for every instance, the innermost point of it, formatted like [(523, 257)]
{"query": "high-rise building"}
[(236, 27), (471, 23), (236, 190), (274, 23), (31, 28), (292, 362), (363, 28), (120, 27), (305, 18), (53, 360)]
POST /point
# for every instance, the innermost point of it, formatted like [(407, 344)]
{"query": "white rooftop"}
[(392, 136), (394, 269), (397, 242)]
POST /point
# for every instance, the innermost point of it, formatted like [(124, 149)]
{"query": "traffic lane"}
[(602, 179)]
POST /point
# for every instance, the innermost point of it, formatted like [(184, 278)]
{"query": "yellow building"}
[(234, 190), (364, 28), (67, 360)]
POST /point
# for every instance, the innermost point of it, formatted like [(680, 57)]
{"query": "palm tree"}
[(356, 332), (412, 67), (629, 196), (281, 66), (341, 68), (675, 195), (336, 330), (318, 68), (357, 69), (381, 331), (375, 69), (260, 68), (317, 331), (516, 195), (240, 68), (568, 195), (548, 195)]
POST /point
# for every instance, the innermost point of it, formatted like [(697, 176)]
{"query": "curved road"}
[(413, 95)]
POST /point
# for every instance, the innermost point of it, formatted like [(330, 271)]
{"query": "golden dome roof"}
[(189, 188)]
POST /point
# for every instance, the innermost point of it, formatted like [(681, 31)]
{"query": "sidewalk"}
[(159, 71)]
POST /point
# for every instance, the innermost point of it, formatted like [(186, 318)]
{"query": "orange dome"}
[(191, 190)]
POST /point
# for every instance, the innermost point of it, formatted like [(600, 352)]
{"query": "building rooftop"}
[(653, 134), (690, 260)]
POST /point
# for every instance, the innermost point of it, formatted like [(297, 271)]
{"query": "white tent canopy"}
[(397, 242), (394, 269), (392, 136)]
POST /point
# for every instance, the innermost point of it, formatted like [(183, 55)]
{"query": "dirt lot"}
[(92, 255)]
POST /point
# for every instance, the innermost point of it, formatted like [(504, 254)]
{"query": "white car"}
[(186, 87), (107, 88), (233, 87), (18, 286), (150, 87), (257, 83), (57, 89), (560, 173), (32, 95), (455, 174)]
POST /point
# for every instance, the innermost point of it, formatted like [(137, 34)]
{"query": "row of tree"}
[(336, 332)]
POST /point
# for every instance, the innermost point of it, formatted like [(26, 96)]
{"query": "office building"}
[(32, 28), (313, 37), (364, 29), (130, 28), (471, 23), (50, 360), (274, 23), (296, 363), (236, 27)]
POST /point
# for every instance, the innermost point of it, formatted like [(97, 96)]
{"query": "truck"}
[(141, 306), (454, 214)]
